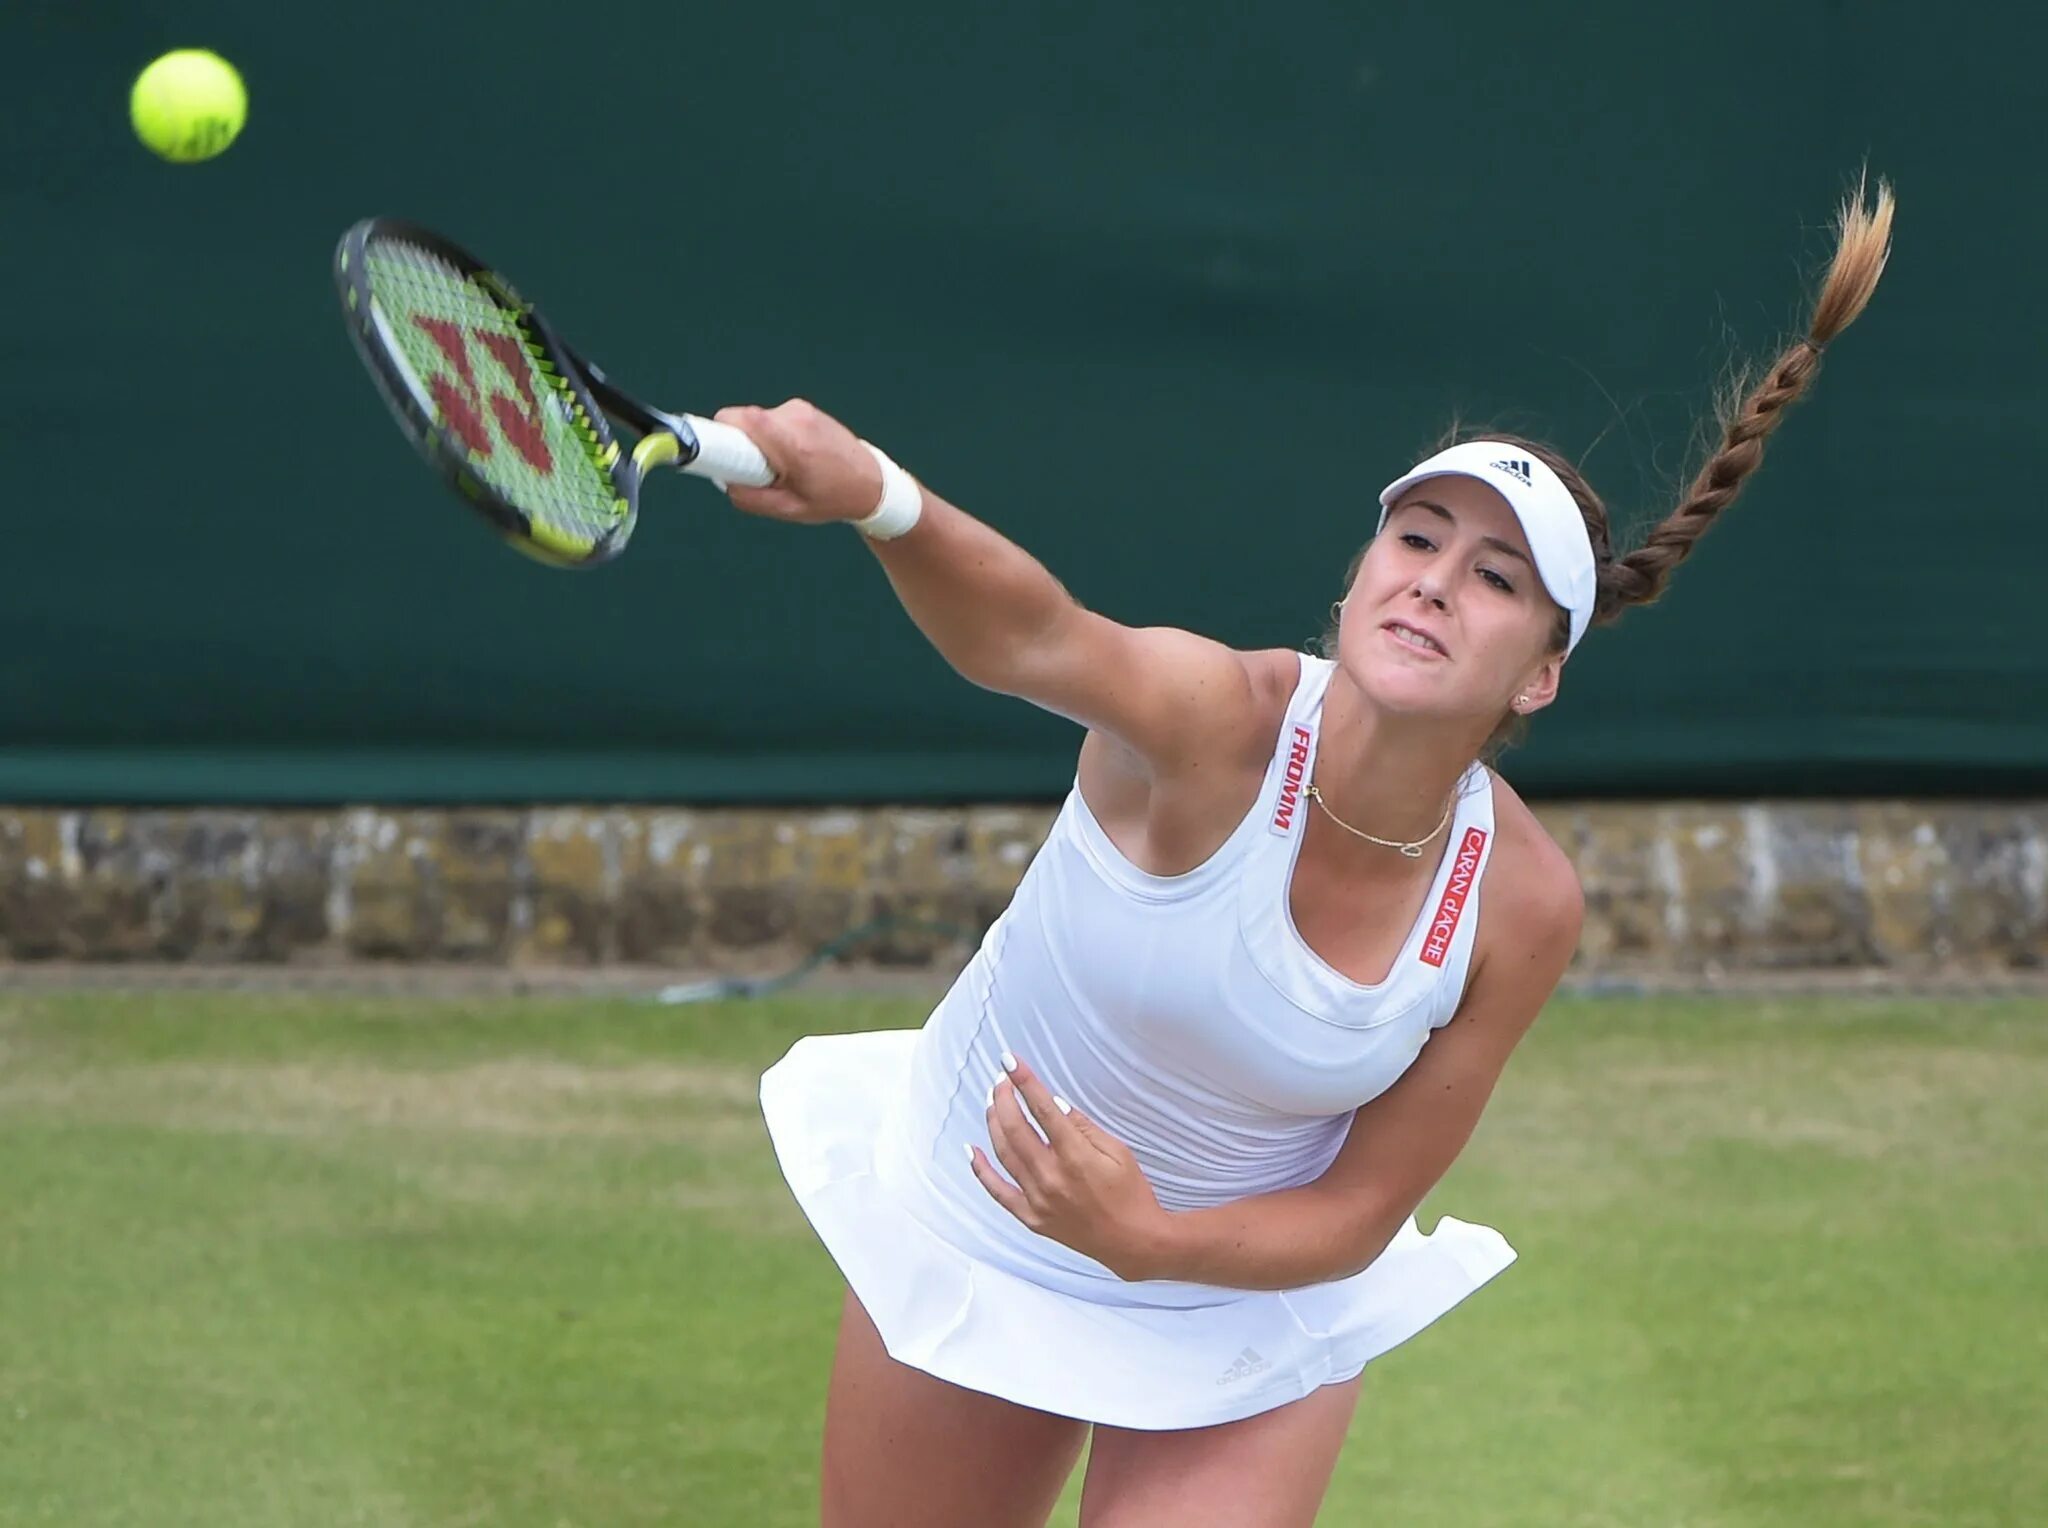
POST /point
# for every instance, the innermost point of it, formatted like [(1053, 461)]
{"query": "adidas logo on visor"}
[(1518, 469)]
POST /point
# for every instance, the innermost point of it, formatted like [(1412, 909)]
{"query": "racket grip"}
[(726, 455)]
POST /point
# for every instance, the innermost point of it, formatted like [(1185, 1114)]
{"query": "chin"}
[(1402, 689)]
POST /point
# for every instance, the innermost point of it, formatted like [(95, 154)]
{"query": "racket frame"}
[(590, 399)]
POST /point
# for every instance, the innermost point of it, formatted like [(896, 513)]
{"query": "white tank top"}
[(1184, 1013)]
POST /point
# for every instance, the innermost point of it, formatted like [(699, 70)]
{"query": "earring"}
[(1336, 610), (1521, 701)]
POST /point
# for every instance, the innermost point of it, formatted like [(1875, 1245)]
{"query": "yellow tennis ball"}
[(188, 105)]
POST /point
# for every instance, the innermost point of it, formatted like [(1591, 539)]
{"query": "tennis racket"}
[(526, 431)]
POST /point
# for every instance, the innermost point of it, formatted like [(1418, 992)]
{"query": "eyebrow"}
[(1507, 548)]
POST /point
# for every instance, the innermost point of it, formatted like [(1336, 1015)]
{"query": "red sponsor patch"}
[(1464, 873), (1292, 780)]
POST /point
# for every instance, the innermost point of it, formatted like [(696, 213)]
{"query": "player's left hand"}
[(1079, 1185)]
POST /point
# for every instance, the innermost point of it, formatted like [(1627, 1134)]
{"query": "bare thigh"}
[(1267, 1471), (905, 1450)]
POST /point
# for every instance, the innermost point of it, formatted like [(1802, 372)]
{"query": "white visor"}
[(1548, 514)]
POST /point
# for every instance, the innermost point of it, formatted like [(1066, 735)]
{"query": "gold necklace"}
[(1410, 851)]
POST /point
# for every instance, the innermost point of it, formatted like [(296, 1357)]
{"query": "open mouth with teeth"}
[(1409, 637)]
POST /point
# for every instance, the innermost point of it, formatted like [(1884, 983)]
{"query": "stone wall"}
[(1671, 888)]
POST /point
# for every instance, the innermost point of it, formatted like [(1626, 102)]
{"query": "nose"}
[(1429, 587)]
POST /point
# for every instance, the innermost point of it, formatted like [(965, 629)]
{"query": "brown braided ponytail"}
[(1862, 244), (1749, 413)]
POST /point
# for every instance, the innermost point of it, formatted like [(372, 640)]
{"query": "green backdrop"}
[(1164, 292)]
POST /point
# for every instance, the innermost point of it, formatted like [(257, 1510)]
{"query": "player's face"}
[(1447, 616)]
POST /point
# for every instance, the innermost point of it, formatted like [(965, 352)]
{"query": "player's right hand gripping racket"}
[(524, 429)]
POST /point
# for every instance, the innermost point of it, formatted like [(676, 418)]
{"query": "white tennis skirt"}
[(963, 1318)]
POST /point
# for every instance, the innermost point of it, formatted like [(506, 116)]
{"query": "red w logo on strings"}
[(461, 397)]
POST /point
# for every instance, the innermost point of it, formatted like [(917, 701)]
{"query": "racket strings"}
[(495, 393)]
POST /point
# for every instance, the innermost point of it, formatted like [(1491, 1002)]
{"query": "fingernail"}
[(970, 1156), (991, 1095), (1009, 1062), (1065, 1107)]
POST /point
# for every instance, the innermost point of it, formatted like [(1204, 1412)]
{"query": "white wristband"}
[(902, 502)]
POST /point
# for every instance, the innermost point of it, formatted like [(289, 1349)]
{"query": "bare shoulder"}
[(1274, 673), (1169, 809), (1226, 713), (1534, 905), (1240, 732), (1271, 675)]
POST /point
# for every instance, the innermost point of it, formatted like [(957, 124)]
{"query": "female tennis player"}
[(1151, 1166)]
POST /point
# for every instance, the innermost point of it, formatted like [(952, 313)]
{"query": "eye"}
[(1497, 580), (1415, 539)]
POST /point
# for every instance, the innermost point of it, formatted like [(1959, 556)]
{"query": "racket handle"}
[(726, 455)]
